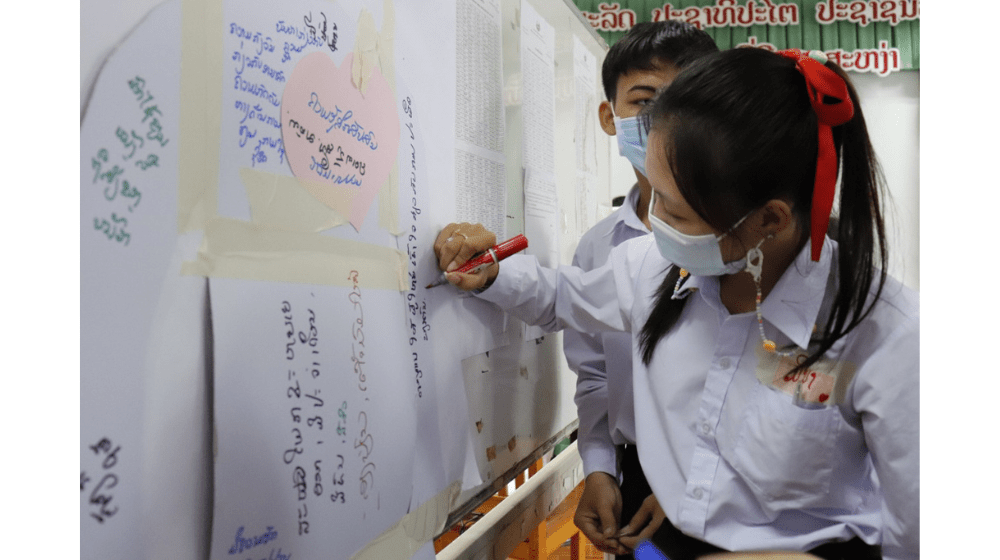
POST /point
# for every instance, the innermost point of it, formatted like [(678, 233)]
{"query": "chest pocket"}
[(783, 451)]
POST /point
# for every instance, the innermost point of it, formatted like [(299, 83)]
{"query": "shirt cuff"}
[(598, 458), (504, 289)]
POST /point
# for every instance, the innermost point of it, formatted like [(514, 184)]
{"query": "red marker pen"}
[(492, 255)]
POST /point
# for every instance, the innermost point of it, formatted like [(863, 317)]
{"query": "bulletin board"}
[(263, 372)]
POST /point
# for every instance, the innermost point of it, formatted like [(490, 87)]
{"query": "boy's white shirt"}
[(603, 361)]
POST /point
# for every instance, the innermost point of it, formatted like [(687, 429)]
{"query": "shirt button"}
[(706, 429), (724, 363), (698, 493)]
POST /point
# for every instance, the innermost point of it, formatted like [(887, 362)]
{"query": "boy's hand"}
[(458, 243), (644, 523), (598, 512)]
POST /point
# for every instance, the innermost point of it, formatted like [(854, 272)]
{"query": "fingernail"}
[(451, 266)]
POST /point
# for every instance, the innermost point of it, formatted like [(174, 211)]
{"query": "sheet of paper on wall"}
[(503, 387), (541, 204), (585, 133), (537, 92), (128, 233), (314, 435), (541, 214), (480, 187)]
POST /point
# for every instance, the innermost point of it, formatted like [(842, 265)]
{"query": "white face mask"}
[(698, 254), (631, 139)]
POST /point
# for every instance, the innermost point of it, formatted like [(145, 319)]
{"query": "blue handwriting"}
[(342, 122), (242, 544), (322, 168)]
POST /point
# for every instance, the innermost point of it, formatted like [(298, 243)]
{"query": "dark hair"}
[(649, 43), (739, 131)]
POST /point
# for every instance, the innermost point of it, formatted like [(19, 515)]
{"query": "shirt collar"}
[(627, 215), (794, 303)]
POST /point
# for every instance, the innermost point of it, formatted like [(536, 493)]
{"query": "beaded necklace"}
[(755, 263)]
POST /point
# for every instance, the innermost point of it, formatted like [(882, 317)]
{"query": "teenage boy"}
[(646, 59)]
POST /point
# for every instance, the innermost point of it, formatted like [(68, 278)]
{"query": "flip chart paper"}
[(314, 437), (261, 45), (128, 209)]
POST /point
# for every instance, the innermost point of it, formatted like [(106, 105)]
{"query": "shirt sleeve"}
[(585, 356), (887, 395), (595, 301)]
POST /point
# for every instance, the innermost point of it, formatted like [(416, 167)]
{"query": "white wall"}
[(891, 106), (892, 111)]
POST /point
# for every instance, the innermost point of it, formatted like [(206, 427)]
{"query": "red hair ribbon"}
[(831, 101)]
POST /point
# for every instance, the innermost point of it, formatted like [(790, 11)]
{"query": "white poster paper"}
[(128, 225), (313, 434)]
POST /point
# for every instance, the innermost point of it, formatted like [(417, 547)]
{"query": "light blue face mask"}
[(698, 254), (631, 135)]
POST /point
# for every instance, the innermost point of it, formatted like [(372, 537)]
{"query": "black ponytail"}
[(863, 255), (664, 315), (740, 131)]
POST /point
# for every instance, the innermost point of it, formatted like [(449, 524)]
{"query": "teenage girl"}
[(776, 371)]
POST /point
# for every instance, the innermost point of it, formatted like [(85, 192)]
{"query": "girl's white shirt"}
[(737, 452)]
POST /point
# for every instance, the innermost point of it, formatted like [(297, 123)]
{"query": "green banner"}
[(880, 37)]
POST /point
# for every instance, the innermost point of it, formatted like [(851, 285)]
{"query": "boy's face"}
[(635, 89)]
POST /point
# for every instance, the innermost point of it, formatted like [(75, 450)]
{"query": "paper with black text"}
[(314, 416)]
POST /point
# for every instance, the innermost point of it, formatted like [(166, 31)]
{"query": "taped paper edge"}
[(235, 249), (388, 208), (282, 202), (416, 528), (365, 51), (200, 121)]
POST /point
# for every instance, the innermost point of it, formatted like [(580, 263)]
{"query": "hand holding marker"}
[(492, 255)]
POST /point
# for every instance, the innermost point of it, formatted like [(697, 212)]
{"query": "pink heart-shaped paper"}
[(339, 143)]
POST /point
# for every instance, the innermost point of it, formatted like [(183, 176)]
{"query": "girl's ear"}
[(772, 219), (607, 117), (776, 217)]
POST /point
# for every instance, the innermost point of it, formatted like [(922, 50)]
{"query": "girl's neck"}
[(642, 205), (738, 292)]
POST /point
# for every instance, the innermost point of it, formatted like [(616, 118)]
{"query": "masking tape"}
[(235, 249), (280, 202), (388, 203), (365, 51), (388, 207), (200, 118), (405, 538), (387, 43)]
